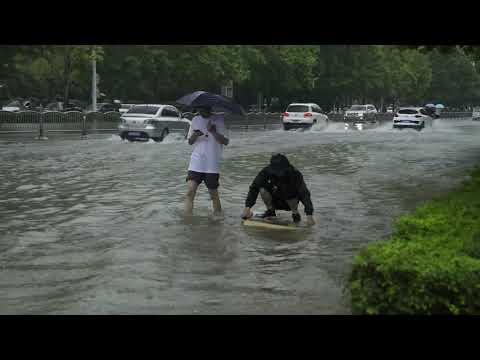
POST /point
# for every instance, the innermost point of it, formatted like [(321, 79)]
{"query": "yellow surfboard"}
[(260, 223)]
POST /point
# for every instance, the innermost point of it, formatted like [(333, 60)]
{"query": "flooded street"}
[(96, 226)]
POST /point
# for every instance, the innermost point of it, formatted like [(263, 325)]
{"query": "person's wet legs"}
[(267, 198), (192, 187), (217, 206), (293, 204)]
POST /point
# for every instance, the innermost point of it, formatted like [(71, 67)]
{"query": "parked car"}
[(305, 115), (104, 107), (30, 104), (13, 106), (125, 107), (152, 121), (476, 113), (412, 118), (54, 106), (72, 105), (362, 113)]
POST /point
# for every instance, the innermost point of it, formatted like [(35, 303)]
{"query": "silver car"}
[(145, 122), (476, 113), (361, 113)]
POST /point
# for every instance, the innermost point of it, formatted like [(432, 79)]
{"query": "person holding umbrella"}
[(207, 136)]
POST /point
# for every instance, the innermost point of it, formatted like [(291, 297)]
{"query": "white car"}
[(361, 113), (476, 113), (303, 116), (13, 106), (125, 107), (412, 118), (152, 121)]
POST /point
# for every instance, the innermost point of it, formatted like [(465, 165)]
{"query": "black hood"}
[(279, 165)]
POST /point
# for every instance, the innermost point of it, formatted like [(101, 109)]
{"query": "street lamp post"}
[(2, 85), (94, 81)]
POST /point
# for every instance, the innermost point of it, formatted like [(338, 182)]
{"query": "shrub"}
[(431, 263)]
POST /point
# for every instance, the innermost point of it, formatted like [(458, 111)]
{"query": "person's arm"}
[(304, 197), (253, 194), (218, 134), (193, 135)]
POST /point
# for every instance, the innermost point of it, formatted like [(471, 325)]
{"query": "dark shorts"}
[(211, 180)]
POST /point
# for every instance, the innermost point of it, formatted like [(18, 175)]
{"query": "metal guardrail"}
[(84, 123), (248, 127), (54, 121), (456, 115)]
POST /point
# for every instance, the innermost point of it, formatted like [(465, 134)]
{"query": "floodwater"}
[(96, 226)]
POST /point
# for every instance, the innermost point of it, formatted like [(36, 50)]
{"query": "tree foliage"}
[(331, 75)]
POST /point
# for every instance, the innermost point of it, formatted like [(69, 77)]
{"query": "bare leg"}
[(293, 203), (267, 198), (217, 206), (191, 192)]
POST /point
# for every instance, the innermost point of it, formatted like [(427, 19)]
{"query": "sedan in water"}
[(145, 122), (412, 118)]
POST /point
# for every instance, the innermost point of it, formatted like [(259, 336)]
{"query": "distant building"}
[(227, 89)]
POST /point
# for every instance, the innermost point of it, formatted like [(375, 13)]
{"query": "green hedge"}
[(430, 265)]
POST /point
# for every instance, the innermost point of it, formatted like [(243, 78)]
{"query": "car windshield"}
[(297, 108), (13, 103), (358, 108), (149, 110), (408, 111)]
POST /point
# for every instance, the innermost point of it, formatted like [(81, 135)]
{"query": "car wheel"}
[(165, 132), (286, 127)]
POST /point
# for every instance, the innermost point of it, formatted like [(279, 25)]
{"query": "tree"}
[(455, 79), (52, 69)]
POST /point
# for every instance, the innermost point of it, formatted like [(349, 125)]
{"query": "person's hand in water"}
[(310, 220)]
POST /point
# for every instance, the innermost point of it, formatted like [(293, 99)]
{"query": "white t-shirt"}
[(207, 152)]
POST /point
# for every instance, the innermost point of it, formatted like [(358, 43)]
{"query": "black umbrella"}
[(217, 102)]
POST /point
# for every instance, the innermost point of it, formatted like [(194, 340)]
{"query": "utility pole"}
[(94, 81)]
